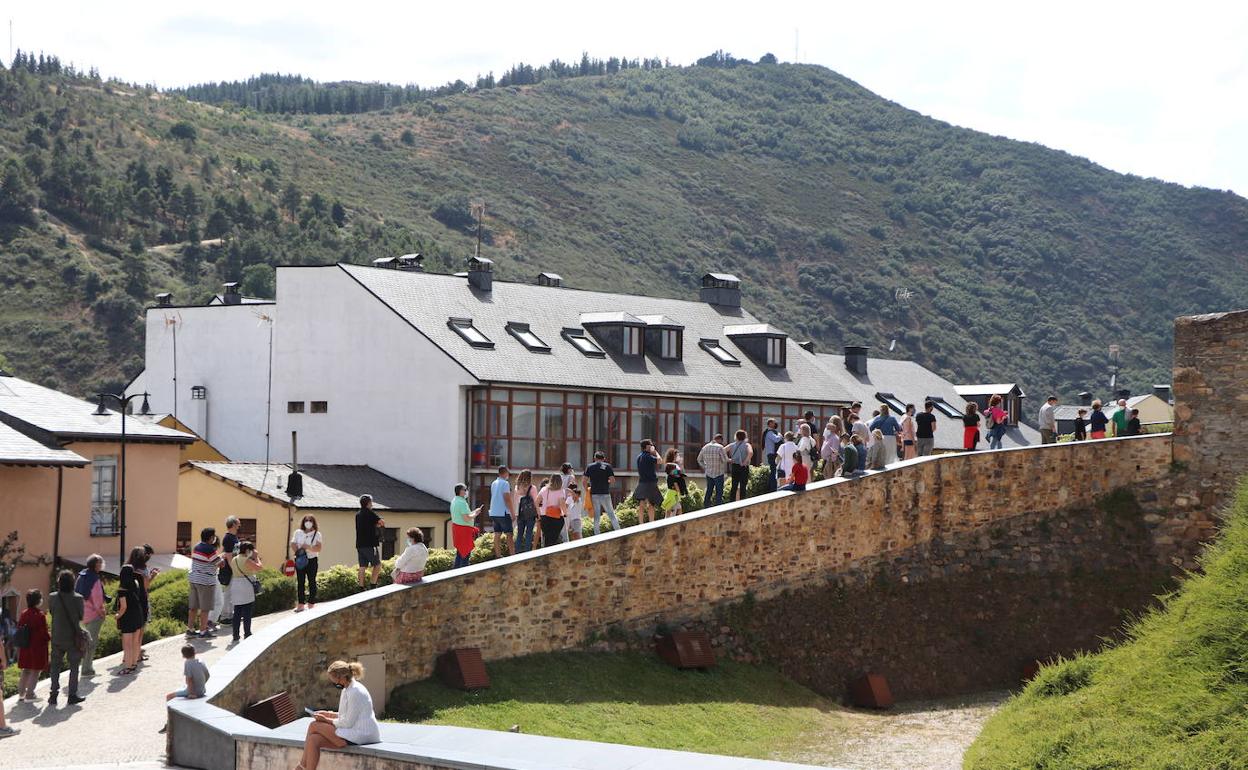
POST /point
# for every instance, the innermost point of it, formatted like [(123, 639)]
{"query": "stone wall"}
[(688, 568), (1211, 403)]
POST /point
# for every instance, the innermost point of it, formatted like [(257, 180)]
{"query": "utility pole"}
[(478, 209)]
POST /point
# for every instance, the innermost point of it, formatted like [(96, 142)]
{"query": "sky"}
[(1149, 88)]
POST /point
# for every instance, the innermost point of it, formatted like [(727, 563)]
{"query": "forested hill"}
[(1016, 262)]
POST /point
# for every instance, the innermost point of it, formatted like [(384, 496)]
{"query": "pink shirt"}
[(93, 606), (551, 498)]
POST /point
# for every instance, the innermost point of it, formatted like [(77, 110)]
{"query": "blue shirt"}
[(499, 490), (646, 465), (887, 425), (771, 439)]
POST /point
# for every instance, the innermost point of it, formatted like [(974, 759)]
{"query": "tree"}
[(291, 199), (338, 213), (17, 202), (13, 553), (184, 131), (767, 58), (407, 137), (258, 281)]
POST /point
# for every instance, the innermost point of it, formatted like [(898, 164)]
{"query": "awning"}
[(162, 561)]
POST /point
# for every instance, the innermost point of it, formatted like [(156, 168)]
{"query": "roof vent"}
[(553, 280), (856, 359), (164, 300), (231, 295), (721, 289), (481, 273), (1085, 398), (808, 346)]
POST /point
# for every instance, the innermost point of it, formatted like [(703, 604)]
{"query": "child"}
[(196, 674), (1081, 426), (576, 510), (1134, 428), (676, 483), (798, 476)]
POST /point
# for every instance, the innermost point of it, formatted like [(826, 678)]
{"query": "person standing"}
[(888, 428), (246, 564), (32, 659), (91, 588), (646, 493), (830, 450), (463, 526), (908, 435), (229, 546), (714, 463), (1134, 428), (599, 476), (740, 455), (1081, 425), (67, 612), (205, 561), (1120, 418), (523, 501), (6, 730), (877, 453), (576, 512), (995, 419), (307, 543), (677, 485), (1097, 421), (784, 460), (925, 429), (551, 501), (970, 427), (139, 558), (858, 425), (368, 526), (129, 614), (807, 445), (503, 512), (771, 446), (1048, 421)]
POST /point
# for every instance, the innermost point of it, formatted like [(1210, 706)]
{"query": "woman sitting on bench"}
[(352, 724)]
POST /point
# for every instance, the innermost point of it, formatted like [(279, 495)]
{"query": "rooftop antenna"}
[(795, 42), (478, 210), (902, 297), (1113, 366)]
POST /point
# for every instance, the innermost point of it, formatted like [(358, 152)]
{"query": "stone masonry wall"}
[(687, 568), (1211, 403)]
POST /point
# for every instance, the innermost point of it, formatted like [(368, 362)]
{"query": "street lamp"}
[(102, 415)]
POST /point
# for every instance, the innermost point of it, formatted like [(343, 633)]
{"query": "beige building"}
[(256, 494), (60, 483)]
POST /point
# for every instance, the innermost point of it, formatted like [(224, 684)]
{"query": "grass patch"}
[(634, 699), (1173, 695)]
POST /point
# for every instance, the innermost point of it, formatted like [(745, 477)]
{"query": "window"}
[(199, 393), (184, 543), (247, 531), (632, 341), (389, 536), (669, 343), (428, 533), (775, 351), (944, 407), (320, 407), (464, 328), (893, 402), (522, 332), (104, 521), (718, 352), (581, 341), (294, 407)]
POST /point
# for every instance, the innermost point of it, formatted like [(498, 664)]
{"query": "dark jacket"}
[(66, 612)]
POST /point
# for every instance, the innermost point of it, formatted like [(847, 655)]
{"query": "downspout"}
[(56, 533)]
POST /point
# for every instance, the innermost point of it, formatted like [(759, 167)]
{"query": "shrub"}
[(278, 593), (168, 597), (336, 582), (1065, 677), (482, 549), (440, 560)]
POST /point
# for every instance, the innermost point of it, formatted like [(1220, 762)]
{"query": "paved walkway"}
[(119, 722)]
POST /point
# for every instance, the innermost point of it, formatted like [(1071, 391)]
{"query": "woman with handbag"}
[(244, 587), (67, 636), (307, 542), (32, 644)]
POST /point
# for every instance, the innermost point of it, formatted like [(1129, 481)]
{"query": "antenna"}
[(795, 41), (478, 210)]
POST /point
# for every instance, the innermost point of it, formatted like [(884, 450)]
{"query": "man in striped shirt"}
[(205, 563)]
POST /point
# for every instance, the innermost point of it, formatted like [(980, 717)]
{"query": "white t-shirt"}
[(303, 539), (785, 461), (576, 508)]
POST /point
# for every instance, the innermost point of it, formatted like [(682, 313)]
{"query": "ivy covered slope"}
[(1174, 695), (1021, 263)]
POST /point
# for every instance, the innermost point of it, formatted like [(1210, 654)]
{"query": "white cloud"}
[(1148, 88)]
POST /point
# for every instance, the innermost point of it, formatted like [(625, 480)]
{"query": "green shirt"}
[(460, 513), (1120, 422)]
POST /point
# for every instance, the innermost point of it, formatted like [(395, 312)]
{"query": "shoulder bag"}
[(82, 639)]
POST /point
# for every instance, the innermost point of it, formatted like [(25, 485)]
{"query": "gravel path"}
[(120, 720)]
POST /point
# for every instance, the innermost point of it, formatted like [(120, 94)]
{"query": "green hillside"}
[(1174, 695), (1024, 263)]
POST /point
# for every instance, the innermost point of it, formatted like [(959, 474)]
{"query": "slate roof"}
[(70, 418), (988, 389), (328, 486), (427, 300), (17, 448), (911, 383)]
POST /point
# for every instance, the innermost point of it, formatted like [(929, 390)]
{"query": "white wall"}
[(225, 348), (396, 402)]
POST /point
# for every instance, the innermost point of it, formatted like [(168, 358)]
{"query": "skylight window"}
[(582, 342), (719, 353), (522, 332), (893, 402), (944, 407), (471, 334)]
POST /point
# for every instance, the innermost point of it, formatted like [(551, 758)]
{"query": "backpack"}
[(527, 509)]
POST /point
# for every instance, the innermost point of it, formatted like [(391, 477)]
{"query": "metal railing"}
[(105, 521)]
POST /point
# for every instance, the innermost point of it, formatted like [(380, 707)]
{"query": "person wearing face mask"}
[(352, 724), (463, 526), (306, 543), (410, 566)]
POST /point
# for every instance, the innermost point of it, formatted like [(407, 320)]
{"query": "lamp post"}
[(102, 415)]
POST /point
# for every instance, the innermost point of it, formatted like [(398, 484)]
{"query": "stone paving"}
[(119, 722)]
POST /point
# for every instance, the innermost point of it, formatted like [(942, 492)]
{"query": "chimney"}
[(1123, 393), (856, 359), (199, 410), (231, 295), (164, 300), (1162, 392), (481, 273), (721, 289), (553, 280), (1085, 398)]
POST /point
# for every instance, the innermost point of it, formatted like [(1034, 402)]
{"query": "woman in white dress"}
[(352, 724)]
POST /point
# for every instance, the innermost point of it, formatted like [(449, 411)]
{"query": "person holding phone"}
[(352, 724)]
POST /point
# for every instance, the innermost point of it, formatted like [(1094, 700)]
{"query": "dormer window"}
[(622, 332), (525, 335), (719, 353), (664, 337), (582, 342), (471, 334), (763, 343), (632, 341)]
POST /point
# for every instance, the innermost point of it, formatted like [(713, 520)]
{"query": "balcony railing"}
[(105, 521)]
